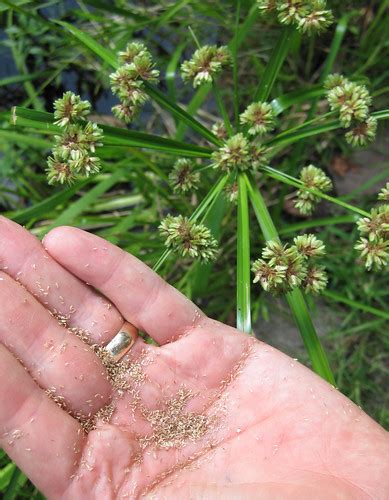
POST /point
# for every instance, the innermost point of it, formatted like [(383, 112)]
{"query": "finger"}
[(144, 298), (58, 361), (24, 258), (43, 440)]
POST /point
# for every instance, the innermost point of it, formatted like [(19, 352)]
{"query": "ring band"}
[(122, 342)]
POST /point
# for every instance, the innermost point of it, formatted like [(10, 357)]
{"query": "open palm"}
[(210, 413)]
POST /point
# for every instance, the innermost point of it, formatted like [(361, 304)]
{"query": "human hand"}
[(210, 413)]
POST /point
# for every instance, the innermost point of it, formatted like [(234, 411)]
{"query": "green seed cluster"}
[(308, 16), (260, 117), (373, 244), (383, 195), (127, 82), (219, 129), (183, 178), (238, 153), (352, 102), (312, 178), (282, 268), (206, 63), (74, 151), (188, 239)]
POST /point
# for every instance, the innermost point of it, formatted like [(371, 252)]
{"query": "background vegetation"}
[(126, 201)]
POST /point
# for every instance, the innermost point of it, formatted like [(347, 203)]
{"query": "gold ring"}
[(122, 341)]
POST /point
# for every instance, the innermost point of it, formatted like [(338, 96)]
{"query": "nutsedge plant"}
[(240, 153)]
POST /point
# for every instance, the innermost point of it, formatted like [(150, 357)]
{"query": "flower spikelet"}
[(309, 246), (313, 178), (188, 239), (70, 108), (260, 118), (234, 154), (207, 62), (182, 177), (384, 193), (283, 267), (363, 132), (58, 170)]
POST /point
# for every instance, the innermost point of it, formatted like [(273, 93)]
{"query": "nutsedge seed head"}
[(125, 111), (258, 156), (316, 280), (315, 19), (283, 267), (182, 177), (260, 117), (70, 142), (384, 193), (70, 108), (313, 178), (132, 50), (234, 154), (219, 129), (377, 225), (290, 11), (85, 165), (309, 246), (375, 254), (205, 64), (125, 85), (266, 6), (270, 277), (188, 239), (362, 133), (58, 170), (309, 16), (335, 80), (352, 101), (231, 192)]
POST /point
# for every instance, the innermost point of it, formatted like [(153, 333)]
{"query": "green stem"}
[(292, 181), (234, 50), (295, 298), (243, 313)]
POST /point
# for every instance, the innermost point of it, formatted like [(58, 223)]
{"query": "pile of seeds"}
[(172, 426)]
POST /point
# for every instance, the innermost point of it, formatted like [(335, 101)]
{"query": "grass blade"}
[(274, 65), (353, 303), (44, 207), (76, 208), (308, 333), (113, 136), (243, 278)]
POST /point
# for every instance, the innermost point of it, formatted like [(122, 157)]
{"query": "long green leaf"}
[(285, 138), (274, 64), (243, 278), (113, 136), (357, 305), (295, 298), (44, 207), (9, 80), (76, 208), (285, 101)]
